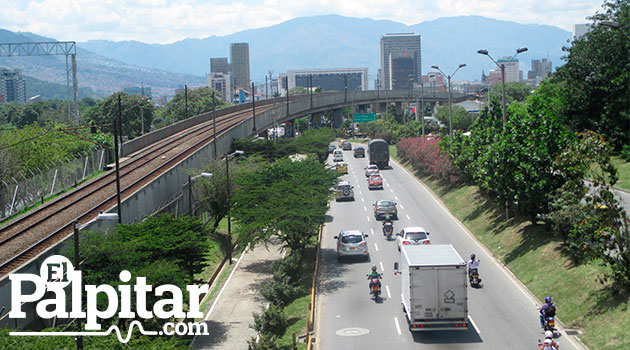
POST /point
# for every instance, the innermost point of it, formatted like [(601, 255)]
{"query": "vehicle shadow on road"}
[(331, 273), (447, 337)]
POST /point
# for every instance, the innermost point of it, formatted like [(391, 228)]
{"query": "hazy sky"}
[(164, 21)]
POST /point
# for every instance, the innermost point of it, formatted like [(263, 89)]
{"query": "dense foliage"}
[(197, 101), (135, 110)]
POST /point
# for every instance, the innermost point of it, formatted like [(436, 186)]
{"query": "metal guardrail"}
[(311, 318)]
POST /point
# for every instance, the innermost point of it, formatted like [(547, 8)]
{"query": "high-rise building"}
[(540, 70), (239, 57), (12, 86), (221, 82), (333, 79), (400, 60), (512, 71), (580, 29), (219, 65)]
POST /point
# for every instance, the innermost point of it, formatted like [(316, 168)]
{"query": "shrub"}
[(625, 153), (271, 322)]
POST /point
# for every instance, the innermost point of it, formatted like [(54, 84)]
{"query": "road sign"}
[(363, 117)]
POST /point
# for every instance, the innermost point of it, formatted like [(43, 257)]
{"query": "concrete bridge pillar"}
[(316, 119), (337, 118), (399, 109)]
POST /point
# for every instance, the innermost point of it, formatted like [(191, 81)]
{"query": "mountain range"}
[(329, 41)]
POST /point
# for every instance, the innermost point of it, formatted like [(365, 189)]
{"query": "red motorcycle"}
[(375, 288)]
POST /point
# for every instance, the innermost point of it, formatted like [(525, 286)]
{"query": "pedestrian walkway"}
[(230, 313)]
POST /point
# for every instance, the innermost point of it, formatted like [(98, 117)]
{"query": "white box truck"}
[(434, 287)]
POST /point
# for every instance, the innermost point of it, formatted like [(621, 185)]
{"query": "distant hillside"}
[(48, 90), (99, 73), (336, 41)]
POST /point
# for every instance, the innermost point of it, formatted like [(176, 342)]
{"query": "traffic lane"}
[(343, 289), (390, 322), (502, 308)]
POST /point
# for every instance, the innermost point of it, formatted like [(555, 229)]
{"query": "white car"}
[(414, 235), (337, 155), (371, 170)]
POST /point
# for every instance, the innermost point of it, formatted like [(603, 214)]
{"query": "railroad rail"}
[(27, 236)]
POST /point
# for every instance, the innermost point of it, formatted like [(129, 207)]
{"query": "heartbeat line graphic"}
[(104, 333)]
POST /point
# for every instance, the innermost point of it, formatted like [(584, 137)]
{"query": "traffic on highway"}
[(395, 272)]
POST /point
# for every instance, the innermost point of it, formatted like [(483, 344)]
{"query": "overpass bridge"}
[(285, 109)]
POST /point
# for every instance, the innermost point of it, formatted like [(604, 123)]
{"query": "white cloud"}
[(162, 21)]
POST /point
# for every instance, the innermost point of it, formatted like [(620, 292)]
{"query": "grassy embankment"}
[(536, 259), (624, 173)]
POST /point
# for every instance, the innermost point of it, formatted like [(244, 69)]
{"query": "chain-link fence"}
[(35, 186)]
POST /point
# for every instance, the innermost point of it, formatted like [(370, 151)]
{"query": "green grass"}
[(298, 311), (624, 173), (48, 199), (535, 258)]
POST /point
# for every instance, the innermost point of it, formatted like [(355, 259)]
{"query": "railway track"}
[(31, 234)]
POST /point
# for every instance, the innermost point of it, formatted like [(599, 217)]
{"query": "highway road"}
[(502, 313)]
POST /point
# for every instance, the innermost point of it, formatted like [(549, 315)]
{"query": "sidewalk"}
[(230, 315)]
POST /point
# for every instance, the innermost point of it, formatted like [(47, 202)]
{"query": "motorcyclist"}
[(548, 344), (374, 275), (549, 335), (387, 225), (548, 309), (473, 265)]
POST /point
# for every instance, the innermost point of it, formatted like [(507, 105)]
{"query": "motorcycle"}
[(375, 288), (388, 228), (473, 275), (550, 324)]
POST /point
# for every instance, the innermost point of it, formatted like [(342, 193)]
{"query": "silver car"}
[(352, 243), (384, 208), (413, 235)]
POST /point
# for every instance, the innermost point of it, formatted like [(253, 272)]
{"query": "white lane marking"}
[(390, 190), (396, 197), (361, 193), (381, 263), (368, 218), (401, 207), (362, 200), (225, 284), (372, 230), (397, 325), (474, 325), (364, 208), (389, 295), (376, 247), (407, 215)]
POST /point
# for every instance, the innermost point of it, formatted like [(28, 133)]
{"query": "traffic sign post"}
[(363, 117)]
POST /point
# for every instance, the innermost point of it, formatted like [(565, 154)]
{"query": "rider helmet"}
[(373, 268), (547, 342), (547, 299), (548, 334), (472, 257)]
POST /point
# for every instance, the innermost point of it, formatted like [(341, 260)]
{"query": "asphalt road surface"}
[(502, 314)]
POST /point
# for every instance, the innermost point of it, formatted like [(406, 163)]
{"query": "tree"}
[(596, 77), (295, 196), (199, 101), (514, 91), (136, 111), (462, 120)]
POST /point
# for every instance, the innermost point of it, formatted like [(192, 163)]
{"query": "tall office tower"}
[(400, 60), (332, 79), (222, 83), (540, 70), (219, 65), (12, 86), (512, 72), (239, 56)]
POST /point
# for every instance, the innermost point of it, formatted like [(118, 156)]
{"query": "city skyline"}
[(167, 21)]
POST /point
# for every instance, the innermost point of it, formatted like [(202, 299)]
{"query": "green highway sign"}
[(363, 117)]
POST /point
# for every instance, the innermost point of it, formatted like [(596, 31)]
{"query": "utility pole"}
[(214, 126), (254, 106)]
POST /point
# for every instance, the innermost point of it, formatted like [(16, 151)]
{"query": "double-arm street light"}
[(502, 67), (450, 109), (227, 183)]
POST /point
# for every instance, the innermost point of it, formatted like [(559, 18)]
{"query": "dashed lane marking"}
[(389, 295), (407, 215), (381, 263), (368, 218), (397, 325), (376, 246)]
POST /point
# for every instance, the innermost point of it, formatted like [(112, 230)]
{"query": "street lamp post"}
[(502, 67), (190, 193), (227, 181), (450, 108)]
